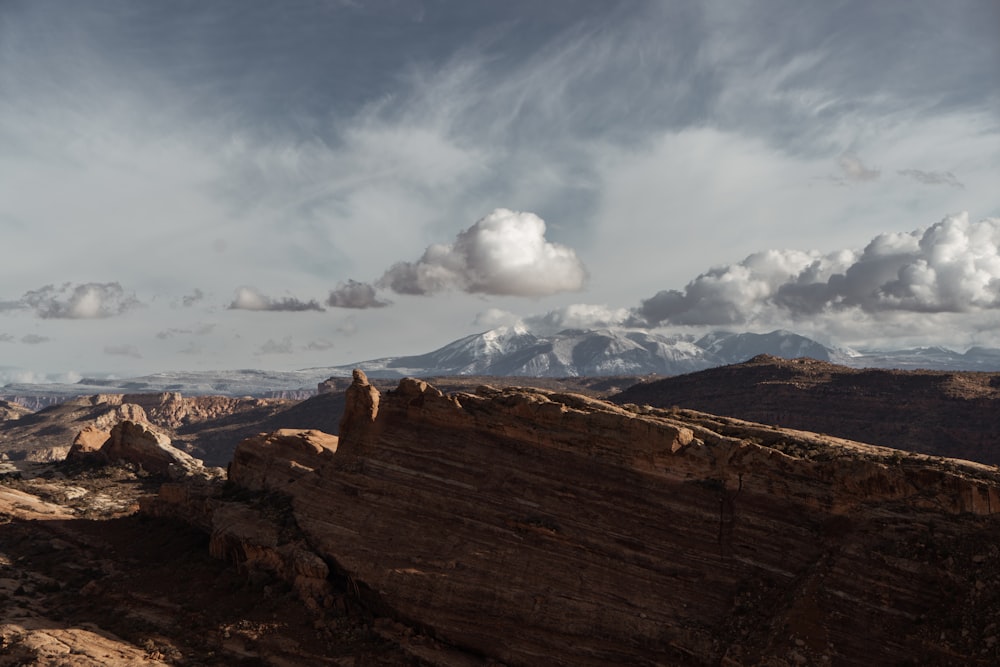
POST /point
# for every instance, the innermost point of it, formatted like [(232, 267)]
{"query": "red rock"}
[(142, 445), (534, 527), (87, 443)]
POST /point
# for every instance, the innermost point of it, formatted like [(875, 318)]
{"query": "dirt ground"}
[(84, 580)]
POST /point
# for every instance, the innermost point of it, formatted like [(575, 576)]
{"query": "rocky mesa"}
[(954, 414), (526, 527)]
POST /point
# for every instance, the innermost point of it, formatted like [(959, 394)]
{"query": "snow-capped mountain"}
[(515, 351), (735, 347)]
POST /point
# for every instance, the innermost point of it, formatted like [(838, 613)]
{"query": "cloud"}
[(577, 316), (34, 339), (504, 253), (491, 318), (130, 351), (277, 347), (348, 327), (190, 299), (6, 338), (354, 294), (950, 267), (11, 374), (200, 330), (86, 301), (574, 316), (854, 170), (319, 346), (247, 298), (932, 177)]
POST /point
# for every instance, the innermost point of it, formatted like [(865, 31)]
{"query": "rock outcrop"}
[(87, 444), (273, 461), (942, 413), (207, 427), (11, 411), (144, 446), (361, 402), (533, 527)]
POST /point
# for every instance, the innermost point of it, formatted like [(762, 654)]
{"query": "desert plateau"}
[(392, 523)]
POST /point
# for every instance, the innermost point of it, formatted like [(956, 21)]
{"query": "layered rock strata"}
[(943, 413), (532, 527)]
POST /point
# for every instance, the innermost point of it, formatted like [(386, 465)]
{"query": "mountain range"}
[(516, 351)]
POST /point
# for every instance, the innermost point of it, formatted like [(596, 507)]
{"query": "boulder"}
[(272, 461), (87, 444), (142, 445)]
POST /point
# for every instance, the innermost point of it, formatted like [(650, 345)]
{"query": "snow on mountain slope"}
[(515, 351), (734, 348)]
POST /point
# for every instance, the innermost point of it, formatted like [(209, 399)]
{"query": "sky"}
[(281, 185)]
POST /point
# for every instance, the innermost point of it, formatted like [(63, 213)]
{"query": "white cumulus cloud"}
[(951, 267), (504, 253)]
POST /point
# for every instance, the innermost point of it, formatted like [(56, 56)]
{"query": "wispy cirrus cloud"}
[(199, 330), (932, 177), (271, 346), (125, 350), (853, 170)]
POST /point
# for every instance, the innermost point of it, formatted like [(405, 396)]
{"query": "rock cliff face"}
[(533, 527)]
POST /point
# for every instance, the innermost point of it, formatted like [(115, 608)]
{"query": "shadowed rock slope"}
[(952, 414), (537, 528)]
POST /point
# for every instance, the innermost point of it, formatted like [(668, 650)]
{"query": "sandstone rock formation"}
[(272, 461), (952, 414), (205, 426), (533, 527), (87, 444), (84, 582), (11, 411), (144, 446), (361, 402)]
